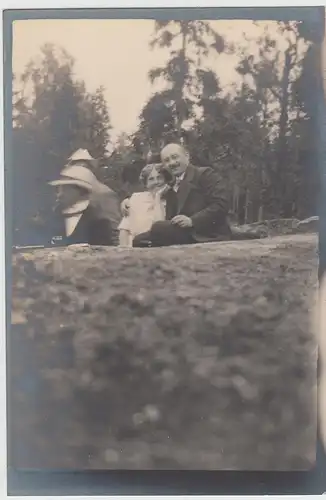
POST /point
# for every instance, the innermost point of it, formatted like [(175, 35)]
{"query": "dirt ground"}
[(200, 357)]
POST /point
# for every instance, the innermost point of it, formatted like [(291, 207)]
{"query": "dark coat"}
[(98, 225), (202, 196)]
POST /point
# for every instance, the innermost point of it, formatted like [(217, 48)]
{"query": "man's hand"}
[(125, 207), (162, 191), (182, 221)]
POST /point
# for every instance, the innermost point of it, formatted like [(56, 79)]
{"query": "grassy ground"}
[(199, 357)]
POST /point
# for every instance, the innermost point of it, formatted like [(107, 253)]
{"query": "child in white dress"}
[(146, 207)]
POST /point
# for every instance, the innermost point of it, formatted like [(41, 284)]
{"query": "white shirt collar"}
[(179, 178), (71, 223)]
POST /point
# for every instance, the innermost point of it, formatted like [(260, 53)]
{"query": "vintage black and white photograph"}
[(164, 234)]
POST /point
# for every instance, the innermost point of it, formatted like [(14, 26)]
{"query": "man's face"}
[(68, 195), (175, 158)]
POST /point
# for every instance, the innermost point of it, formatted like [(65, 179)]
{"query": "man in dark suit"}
[(196, 204)]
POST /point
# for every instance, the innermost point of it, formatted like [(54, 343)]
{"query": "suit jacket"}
[(202, 197), (105, 205), (98, 225)]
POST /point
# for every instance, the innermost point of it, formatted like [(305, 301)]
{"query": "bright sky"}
[(116, 54)]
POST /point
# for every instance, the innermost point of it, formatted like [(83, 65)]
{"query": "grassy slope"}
[(198, 357)]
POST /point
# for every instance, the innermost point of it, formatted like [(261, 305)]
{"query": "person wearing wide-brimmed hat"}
[(83, 158), (89, 209)]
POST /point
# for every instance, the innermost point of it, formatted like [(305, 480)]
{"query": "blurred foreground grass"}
[(198, 357)]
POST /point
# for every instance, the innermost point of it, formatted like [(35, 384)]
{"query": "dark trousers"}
[(162, 234)]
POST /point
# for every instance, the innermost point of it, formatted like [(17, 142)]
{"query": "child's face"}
[(155, 180)]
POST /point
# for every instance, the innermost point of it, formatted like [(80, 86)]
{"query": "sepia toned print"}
[(164, 267)]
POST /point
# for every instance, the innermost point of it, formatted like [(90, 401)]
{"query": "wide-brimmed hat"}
[(76, 175), (81, 155)]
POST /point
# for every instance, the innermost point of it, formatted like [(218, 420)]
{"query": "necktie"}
[(177, 184)]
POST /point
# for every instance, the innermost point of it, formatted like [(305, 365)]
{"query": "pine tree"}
[(184, 74)]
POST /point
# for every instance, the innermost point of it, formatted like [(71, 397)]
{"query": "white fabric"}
[(77, 175), (81, 154), (178, 181), (77, 208), (71, 223), (145, 209), (73, 215)]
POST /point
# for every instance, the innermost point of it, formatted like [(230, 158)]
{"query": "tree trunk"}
[(283, 123), (235, 201), (241, 207), (261, 213), (180, 85), (246, 207)]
